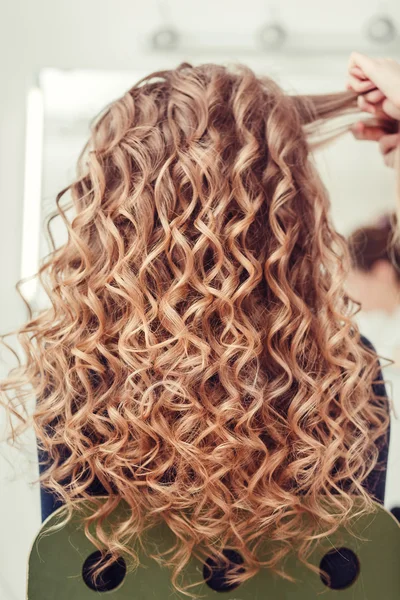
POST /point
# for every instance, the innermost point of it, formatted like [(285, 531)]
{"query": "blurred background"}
[(61, 62)]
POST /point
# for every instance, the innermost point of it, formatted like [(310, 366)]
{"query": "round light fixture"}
[(381, 29), (272, 36), (165, 39)]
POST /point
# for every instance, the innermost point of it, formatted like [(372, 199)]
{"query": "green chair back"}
[(364, 566)]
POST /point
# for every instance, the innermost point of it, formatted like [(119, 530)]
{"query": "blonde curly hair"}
[(199, 358)]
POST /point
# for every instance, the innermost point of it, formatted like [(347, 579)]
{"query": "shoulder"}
[(365, 342), (378, 385)]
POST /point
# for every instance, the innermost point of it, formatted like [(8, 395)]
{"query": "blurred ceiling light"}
[(32, 192), (271, 36), (381, 29), (165, 39)]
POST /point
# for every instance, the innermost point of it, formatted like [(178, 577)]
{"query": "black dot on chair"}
[(215, 573), (339, 568), (107, 580), (396, 512)]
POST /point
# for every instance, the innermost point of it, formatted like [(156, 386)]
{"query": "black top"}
[(375, 483)]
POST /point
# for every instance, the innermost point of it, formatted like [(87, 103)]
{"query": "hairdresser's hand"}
[(377, 81), (388, 142)]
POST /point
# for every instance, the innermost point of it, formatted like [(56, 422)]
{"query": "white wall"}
[(98, 34)]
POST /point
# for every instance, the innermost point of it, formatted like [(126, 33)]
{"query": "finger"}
[(357, 72), (366, 106), (361, 131), (374, 96), (390, 159), (365, 63), (391, 109), (376, 109), (360, 86), (388, 143)]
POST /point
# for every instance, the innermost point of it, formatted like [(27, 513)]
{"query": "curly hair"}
[(199, 357)]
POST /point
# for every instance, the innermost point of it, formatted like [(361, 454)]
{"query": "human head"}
[(374, 279), (199, 357)]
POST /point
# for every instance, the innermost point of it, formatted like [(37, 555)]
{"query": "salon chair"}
[(363, 565)]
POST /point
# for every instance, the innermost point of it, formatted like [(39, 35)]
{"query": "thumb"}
[(365, 63)]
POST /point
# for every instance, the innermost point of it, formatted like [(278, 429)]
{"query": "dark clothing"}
[(49, 502), (374, 484)]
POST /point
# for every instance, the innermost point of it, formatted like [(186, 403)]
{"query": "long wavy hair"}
[(199, 357)]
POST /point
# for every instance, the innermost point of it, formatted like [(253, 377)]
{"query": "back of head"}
[(374, 243), (199, 358)]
